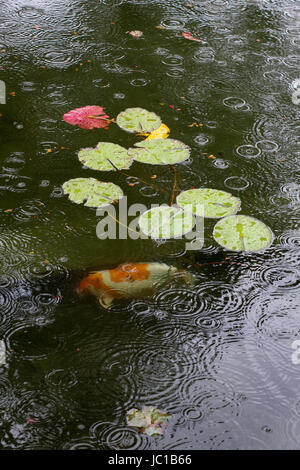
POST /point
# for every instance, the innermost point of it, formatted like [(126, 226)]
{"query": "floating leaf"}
[(166, 222), (94, 192), (138, 120), (189, 36), (87, 117), (162, 132), (212, 203), (105, 157), (160, 151), (242, 233), (148, 420)]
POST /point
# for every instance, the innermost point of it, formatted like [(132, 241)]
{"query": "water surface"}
[(216, 355)]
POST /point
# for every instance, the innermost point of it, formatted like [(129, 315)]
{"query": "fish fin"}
[(105, 301)]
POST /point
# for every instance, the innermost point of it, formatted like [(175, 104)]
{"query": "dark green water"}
[(216, 355)]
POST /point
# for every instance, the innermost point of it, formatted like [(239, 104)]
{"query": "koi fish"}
[(129, 280)]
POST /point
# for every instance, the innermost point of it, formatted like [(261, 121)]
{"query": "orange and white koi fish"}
[(129, 280)]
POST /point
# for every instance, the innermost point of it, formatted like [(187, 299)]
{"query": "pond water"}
[(217, 354)]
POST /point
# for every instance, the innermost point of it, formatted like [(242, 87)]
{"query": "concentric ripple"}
[(117, 437), (181, 302), (248, 151)]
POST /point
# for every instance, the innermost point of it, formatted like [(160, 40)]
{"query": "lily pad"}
[(211, 203), (138, 120), (105, 157), (160, 151), (166, 222), (91, 191), (242, 233), (148, 420)]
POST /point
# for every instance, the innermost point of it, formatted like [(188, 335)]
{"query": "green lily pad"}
[(242, 233), (138, 120), (149, 420), (166, 222), (91, 191), (106, 157), (160, 151), (212, 203)]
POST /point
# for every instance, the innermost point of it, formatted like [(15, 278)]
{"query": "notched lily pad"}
[(148, 420), (160, 151), (211, 203), (138, 120), (166, 222), (242, 233), (106, 157), (92, 192)]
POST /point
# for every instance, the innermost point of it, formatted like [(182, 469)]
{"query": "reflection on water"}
[(215, 353)]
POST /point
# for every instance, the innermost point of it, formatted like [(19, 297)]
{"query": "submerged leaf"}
[(242, 233), (94, 192), (138, 120), (206, 202), (162, 132), (87, 117), (105, 157), (166, 222), (160, 151), (135, 34), (149, 420)]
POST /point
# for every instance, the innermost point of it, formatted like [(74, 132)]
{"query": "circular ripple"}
[(171, 248), (234, 102), (58, 59), (207, 393), (148, 191), (14, 162), (175, 72), (290, 239), (41, 407), (281, 277), (172, 23), (248, 151), (209, 324), (204, 55), (160, 371), (181, 302), (137, 82), (33, 343), (221, 164), (117, 437), (61, 379), (274, 315), (203, 139), (159, 331), (221, 298), (173, 60), (82, 443), (6, 392), (236, 182), (267, 146)]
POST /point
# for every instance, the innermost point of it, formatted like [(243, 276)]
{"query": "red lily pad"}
[(87, 117)]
